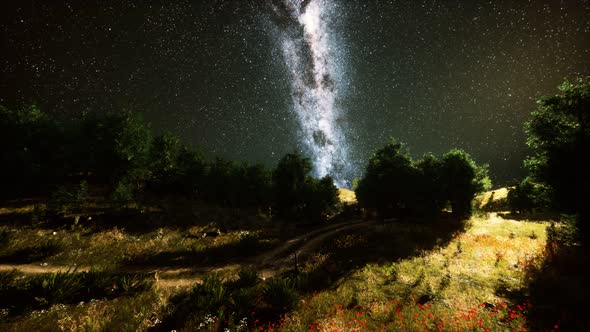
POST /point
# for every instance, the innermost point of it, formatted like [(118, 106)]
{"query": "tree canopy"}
[(558, 134), (395, 184)]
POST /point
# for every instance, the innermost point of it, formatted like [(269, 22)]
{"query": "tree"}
[(559, 136), (297, 194), (191, 172), (289, 182), (527, 196), (257, 186), (389, 182), (462, 179), (430, 190), (163, 164), (321, 197), (31, 153)]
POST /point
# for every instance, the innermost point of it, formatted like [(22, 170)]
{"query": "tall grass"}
[(20, 294)]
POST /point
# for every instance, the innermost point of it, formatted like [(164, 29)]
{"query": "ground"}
[(351, 275)]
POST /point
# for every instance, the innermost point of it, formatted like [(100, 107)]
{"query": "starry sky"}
[(436, 74)]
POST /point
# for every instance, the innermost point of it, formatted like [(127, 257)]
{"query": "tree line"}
[(119, 153)]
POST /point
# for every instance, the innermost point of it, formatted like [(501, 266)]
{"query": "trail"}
[(268, 263)]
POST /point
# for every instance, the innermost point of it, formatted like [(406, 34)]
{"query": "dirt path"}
[(269, 263)]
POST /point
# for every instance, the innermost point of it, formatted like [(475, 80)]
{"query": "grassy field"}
[(188, 267), (474, 280)]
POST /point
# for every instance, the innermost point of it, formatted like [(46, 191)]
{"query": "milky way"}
[(308, 53)]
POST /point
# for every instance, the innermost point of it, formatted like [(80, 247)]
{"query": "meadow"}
[(190, 266)]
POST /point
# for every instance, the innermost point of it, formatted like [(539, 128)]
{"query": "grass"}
[(488, 273), (474, 281), (492, 200), (19, 293), (103, 243)]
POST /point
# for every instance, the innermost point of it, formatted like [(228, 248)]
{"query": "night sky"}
[(435, 74)]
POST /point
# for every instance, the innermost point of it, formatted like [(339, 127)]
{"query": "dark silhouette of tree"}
[(191, 172), (430, 198), (559, 135), (462, 179), (395, 185), (297, 194), (32, 152), (219, 182), (289, 182), (321, 198), (389, 182)]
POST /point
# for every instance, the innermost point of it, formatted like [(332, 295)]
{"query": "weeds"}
[(280, 294), (47, 249), (4, 237), (247, 276), (41, 291)]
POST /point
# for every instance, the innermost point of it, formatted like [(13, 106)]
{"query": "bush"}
[(247, 276), (123, 195), (64, 200), (210, 295), (527, 196), (279, 294)]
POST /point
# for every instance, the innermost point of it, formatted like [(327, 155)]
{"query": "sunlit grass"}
[(491, 197), (346, 196), (473, 282)]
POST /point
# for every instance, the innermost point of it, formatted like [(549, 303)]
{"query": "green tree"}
[(462, 180), (559, 136), (430, 197), (389, 184), (163, 164), (321, 198), (527, 196), (289, 183), (191, 172), (257, 186)]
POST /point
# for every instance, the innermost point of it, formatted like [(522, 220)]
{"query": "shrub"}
[(279, 294), (211, 294), (247, 276)]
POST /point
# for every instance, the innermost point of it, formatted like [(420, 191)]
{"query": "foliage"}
[(280, 294), (559, 135), (247, 276), (289, 182), (395, 184), (31, 153), (527, 196), (462, 179), (389, 182), (20, 294), (65, 200), (296, 193)]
